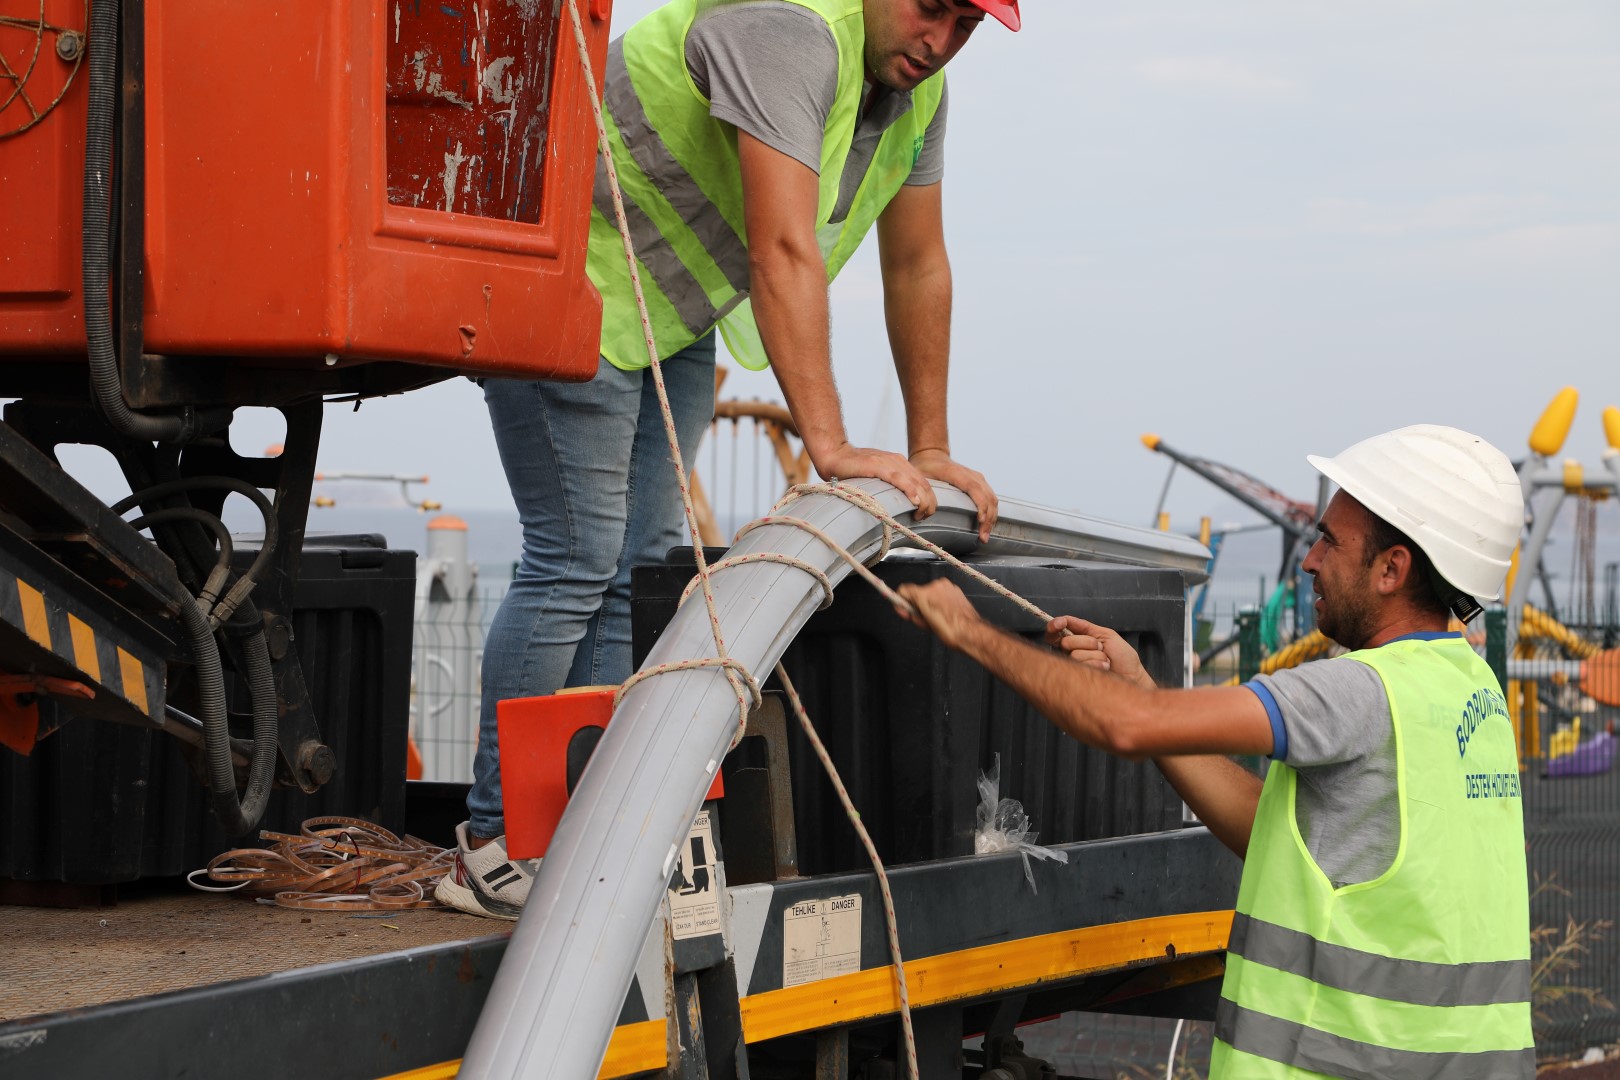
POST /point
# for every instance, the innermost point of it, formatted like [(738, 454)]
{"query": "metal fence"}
[(445, 689), (452, 615), (1563, 695)]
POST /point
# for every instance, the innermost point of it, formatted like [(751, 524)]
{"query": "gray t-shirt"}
[(771, 69), (1331, 722)]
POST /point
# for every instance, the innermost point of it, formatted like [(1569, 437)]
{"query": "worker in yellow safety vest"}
[(756, 143), (1382, 923)]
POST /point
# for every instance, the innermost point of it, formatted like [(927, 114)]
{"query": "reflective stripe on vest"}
[(1423, 971), (1301, 1047), (1493, 982), (674, 280), (710, 227)]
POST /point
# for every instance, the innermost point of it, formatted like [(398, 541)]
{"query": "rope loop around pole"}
[(854, 496), (865, 501), (855, 564), (768, 557), (734, 668)]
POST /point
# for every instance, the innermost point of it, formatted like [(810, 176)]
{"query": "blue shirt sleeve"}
[(1279, 733)]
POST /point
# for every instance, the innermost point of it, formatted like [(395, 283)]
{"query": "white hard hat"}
[(1453, 493)]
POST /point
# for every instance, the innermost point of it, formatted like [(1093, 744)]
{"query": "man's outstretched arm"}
[(1221, 792), (1187, 731)]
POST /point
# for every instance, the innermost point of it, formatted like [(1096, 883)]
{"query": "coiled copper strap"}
[(332, 864)]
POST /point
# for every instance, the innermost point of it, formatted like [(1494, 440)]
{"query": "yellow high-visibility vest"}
[(1425, 970), (683, 188)]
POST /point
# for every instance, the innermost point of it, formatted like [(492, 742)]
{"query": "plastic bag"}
[(1002, 825)]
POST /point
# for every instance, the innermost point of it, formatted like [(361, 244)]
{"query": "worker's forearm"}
[(1221, 792), (1110, 713), (1184, 731), (917, 308), (789, 297), (1094, 708)]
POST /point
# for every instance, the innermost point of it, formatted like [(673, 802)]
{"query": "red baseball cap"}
[(1005, 11)]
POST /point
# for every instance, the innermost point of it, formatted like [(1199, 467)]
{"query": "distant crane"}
[(1296, 519)]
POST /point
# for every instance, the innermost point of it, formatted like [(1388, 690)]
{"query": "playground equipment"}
[(1547, 487)]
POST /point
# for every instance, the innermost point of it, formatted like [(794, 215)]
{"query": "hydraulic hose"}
[(105, 382), (244, 586), (222, 565), (266, 726), (236, 816)]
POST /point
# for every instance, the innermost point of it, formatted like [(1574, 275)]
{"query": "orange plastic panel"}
[(534, 737), (276, 133)]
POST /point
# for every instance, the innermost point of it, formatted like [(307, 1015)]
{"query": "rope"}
[(854, 563), (865, 501), (870, 505), (768, 557), (735, 669), (890, 922)]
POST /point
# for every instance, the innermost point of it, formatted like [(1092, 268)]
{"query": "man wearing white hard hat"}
[(1382, 924)]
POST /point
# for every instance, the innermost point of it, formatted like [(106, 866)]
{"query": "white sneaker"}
[(484, 881)]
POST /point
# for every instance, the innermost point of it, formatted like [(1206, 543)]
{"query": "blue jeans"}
[(590, 471)]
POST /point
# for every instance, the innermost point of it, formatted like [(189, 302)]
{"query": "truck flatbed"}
[(181, 982), (176, 938)]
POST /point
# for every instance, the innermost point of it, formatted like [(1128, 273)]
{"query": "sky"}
[(1257, 229)]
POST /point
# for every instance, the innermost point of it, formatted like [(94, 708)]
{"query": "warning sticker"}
[(694, 899), (820, 939)]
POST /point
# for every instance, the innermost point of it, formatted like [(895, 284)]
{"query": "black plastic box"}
[(910, 724), (100, 803)]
